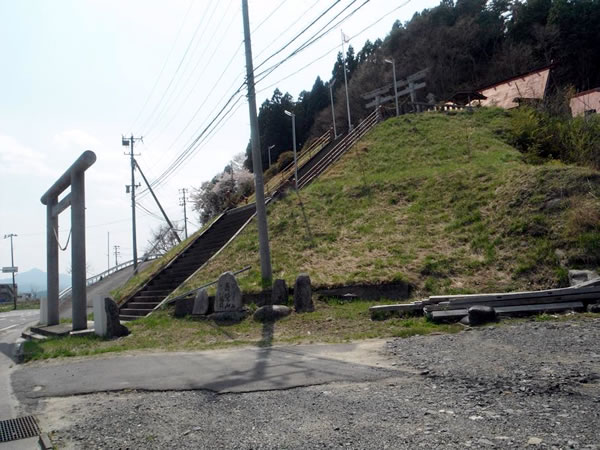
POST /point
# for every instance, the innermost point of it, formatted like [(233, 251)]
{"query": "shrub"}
[(541, 136), (285, 159)]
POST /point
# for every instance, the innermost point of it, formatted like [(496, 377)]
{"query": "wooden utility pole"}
[(261, 213)]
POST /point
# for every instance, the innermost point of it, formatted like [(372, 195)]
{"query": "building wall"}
[(504, 94), (6, 293), (585, 102)]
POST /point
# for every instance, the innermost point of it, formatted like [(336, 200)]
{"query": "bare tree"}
[(163, 239)]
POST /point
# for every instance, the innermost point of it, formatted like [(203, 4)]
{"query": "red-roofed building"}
[(530, 86)]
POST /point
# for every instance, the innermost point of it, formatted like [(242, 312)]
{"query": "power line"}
[(219, 78), (206, 132), (289, 27), (299, 34), (269, 16), (184, 154), (191, 148), (203, 138), (164, 64), (181, 158), (210, 90), (220, 118), (176, 71), (176, 92), (328, 52), (206, 63), (265, 73)]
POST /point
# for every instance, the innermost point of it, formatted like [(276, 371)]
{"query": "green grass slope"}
[(442, 201)]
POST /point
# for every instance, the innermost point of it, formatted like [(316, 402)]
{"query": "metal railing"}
[(94, 279), (275, 183), (340, 148)]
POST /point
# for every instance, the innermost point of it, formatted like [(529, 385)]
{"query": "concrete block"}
[(100, 322)]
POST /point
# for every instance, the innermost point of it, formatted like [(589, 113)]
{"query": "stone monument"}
[(303, 294), (229, 296), (201, 303), (279, 294)]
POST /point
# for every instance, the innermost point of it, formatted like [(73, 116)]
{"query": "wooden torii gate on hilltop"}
[(410, 86)]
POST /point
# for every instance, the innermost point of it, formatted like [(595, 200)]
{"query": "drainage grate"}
[(19, 428)]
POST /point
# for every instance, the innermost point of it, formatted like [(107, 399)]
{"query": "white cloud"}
[(75, 140), (18, 159)]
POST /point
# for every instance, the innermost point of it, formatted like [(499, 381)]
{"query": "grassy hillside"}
[(442, 201)]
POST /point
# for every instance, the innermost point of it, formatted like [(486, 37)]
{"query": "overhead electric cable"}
[(320, 34), (304, 30), (269, 16), (197, 145), (288, 27), (223, 112), (164, 64), (199, 77), (220, 119), (176, 72), (180, 87), (328, 52), (190, 150)]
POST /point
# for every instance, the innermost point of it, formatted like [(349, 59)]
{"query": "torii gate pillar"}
[(74, 177)]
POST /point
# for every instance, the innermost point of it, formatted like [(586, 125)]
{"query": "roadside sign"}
[(14, 269)]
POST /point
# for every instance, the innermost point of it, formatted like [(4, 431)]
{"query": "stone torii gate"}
[(73, 177)]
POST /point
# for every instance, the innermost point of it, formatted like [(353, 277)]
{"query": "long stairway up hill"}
[(146, 299), (311, 163)]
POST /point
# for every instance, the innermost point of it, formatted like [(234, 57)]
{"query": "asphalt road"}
[(12, 323), (102, 288), (226, 371)]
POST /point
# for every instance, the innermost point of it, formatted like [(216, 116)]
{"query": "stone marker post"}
[(303, 294)]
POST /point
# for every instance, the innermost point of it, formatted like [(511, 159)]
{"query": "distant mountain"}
[(34, 280)]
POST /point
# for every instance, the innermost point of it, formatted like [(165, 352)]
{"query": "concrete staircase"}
[(312, 163), (196, 254)]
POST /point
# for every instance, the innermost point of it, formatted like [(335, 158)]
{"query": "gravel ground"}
[(513, 386)]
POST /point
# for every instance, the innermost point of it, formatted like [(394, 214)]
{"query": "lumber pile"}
[(452, 308)]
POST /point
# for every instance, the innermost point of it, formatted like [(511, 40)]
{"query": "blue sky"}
[(77, 74)]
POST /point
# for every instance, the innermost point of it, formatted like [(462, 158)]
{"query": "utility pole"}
[(346, 82), (393, 63), (261, 213), (12, 266), (117, 254), (293, 116), (108, 250), (331, 83), (269, 148), (182, 202), (129, 142)]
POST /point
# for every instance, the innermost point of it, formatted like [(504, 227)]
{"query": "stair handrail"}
[(316, 146), (340, 148), (170, 301)]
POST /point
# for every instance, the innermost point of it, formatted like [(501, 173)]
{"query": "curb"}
[(45, 442)]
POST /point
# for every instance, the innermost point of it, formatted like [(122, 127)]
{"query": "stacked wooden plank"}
[(447, 308)]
